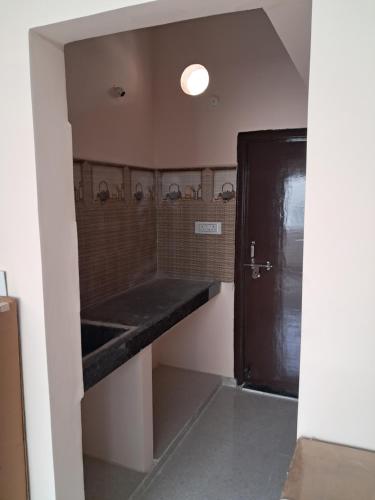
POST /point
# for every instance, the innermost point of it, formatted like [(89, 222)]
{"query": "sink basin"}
[(95, 335)]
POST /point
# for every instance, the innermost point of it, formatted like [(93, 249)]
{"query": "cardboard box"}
[(326, 471), (13, 470)]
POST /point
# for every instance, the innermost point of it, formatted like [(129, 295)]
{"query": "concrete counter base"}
[(117, 412), (152, 309)]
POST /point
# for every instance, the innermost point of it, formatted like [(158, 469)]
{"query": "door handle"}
[(255, 268)]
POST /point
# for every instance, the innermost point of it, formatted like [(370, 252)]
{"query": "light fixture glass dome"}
[(194, 79)]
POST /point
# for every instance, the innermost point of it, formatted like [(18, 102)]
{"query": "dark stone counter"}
[(149, 310)]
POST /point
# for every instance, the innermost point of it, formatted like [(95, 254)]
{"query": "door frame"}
[(243, 174)]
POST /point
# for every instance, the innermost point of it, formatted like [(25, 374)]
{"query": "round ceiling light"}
[(194, 79)]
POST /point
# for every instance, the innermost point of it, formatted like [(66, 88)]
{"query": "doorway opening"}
[(269, 254), (155, 196)]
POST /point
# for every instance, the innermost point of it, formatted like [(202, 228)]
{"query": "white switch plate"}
[(207, 227), (3, 284)]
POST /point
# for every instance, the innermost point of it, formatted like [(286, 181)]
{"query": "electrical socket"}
[(207, 227)]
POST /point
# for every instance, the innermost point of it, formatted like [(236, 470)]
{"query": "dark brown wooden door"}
[(270, 214)]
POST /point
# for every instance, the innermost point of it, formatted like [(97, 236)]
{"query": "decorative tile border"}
[(225, 184), (107, 183), (181, 185), (142, 184)]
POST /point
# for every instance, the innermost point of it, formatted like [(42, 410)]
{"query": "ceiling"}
[(290, 18)]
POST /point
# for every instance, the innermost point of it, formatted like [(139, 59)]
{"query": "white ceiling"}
[(292, 22), (290, 18)]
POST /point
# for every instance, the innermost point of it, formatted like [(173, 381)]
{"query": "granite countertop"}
[(148, 310)]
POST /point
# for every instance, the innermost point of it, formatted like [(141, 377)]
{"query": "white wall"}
[(107, 128), (292, 21), (252, 74), (117, 416), (337, 396), (156, 124), (202, 341), (58, 240)]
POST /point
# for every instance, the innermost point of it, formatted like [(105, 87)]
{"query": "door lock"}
[(256, 268)]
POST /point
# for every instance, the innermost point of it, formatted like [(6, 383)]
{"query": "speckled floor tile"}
[(239, 449), (178, 396), (104, 481)]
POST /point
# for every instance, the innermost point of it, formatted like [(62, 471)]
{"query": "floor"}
[(104, 481), (238, 448), (178, 397)]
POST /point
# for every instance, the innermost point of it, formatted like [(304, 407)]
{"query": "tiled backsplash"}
[(127, 238), (116, 239), (181, 253)]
